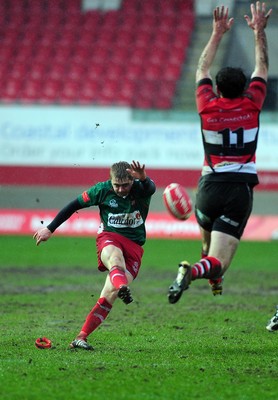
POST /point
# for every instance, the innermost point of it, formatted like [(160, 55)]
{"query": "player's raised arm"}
[(221, 24), (258, 23), (137, 170)]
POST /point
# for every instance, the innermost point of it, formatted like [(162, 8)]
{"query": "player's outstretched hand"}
[(259, 16), (221, 20), (137, 171), (42, 235)]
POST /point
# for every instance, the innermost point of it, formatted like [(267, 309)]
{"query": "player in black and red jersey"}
[(230, 127)]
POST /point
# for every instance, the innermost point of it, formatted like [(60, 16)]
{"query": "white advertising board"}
[(84, 136)]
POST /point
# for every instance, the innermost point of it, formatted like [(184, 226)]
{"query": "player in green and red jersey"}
[(123, 203), (230, 126)]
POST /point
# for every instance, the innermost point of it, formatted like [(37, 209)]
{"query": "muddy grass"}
[(74, 279)]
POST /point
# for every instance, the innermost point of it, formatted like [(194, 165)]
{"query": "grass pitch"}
[(203, 347)]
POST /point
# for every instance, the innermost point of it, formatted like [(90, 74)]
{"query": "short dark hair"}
[(119, 171), (231, 82)]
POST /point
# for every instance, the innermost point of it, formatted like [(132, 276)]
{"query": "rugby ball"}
[(177, 201)]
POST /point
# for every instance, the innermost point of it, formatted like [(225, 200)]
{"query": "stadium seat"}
[(10, 91), (152, 71), (30, 91), (126, 92), (89, 92), (121, 53), (172, 71), (69, 93), (133, 71), (50, 92), (37, 71), (163, 103), (75, 71)]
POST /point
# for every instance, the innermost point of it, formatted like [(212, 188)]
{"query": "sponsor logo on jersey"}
[(237, 118), (125, 220)]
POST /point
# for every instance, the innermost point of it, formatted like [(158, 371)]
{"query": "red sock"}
[(207, 267), (117, 277), (96, 316)]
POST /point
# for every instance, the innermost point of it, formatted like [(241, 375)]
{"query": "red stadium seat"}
[(163, 103), (50, 92), (10, 91), (69, 93), (143, 103), (126, 92), (95, 71), (18, 71), (120, 54), (138, 55), (56, 71), (31, 91), (37, 71), (108, 91), (172, 71), (114, 71), (89, 92), (75, 71), (145, 94), (4, 66), (133, 71), (124, 54), (152, 71)]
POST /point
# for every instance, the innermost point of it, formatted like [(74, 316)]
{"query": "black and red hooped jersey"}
[(230, 130)]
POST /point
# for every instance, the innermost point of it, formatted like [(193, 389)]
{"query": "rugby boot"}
[(125, 295), (216, 285), (80, 344), (181, 282), (272, 325)]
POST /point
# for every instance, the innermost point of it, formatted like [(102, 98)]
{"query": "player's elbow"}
[(260, 73), (202, 74)]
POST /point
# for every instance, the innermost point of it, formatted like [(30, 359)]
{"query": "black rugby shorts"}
[(223, 206)]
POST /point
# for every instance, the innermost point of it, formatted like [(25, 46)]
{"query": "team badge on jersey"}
[(113, 203), (85, 197)]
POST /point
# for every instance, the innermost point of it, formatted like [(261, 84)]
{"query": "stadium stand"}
[(53, 52)]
